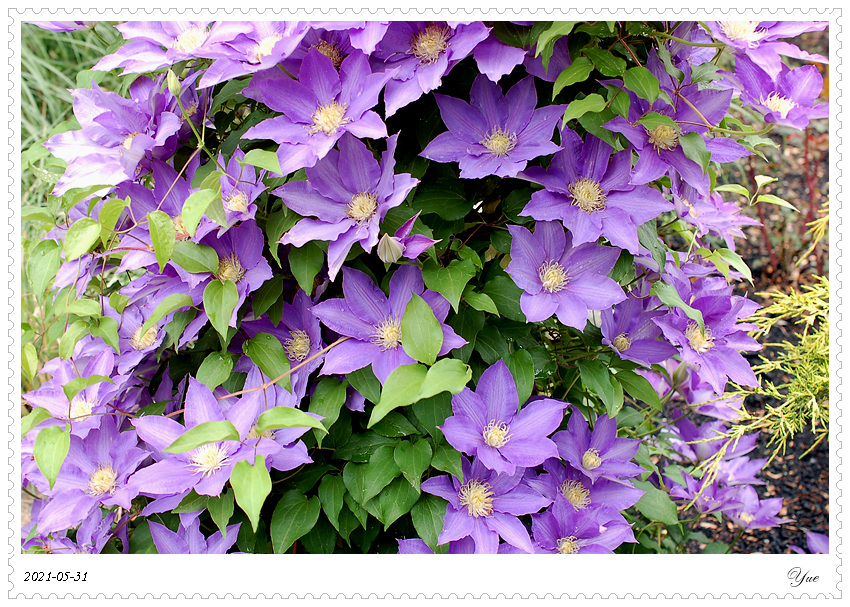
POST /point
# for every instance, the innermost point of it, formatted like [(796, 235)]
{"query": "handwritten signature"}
[(797, 577)]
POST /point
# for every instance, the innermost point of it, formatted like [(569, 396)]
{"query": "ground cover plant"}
[(407, 287)]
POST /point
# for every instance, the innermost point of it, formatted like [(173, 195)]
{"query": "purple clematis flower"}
[(63, 26), (94, 474), (558, 278), (563, 530), (189, 540), (486, 424), (393, 248), (759, 40), (116, 135), (706, 497), (496, 59), (697, 444), (205, 469), (498, 134), (628, 329), (741, 471), (590, 191), (240, 187), (421, 54), (157, 44), (576, 488), (754, 513), (464, 545), (374, 322), (318, 108), (558, 62), (91, 536), (349, 193), (788, 99), (336, 40), (485, 507), (600, 454), (716, 351)]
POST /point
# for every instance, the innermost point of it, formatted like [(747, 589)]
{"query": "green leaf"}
[(771, 199), (264, 160), (354, 477), (203, 434), (264, 297), (427, 516), (606, 62), (763, 180), (36, 416), (108, 217), (107, 328), (580, 107), (220, 299), (70, 338), (293, 517), (664, 55), (327, 401), (173, 302), (196, 205), (395, 501), (266, 351), (287, 417), (733, 187), (195, 258), (448, 375), (449, 203), (432, 412), (400, 388), (505, 294), (81, 237), (653, 120), (221, 509), (413, 459), (43, 263), (449, 281), (447, 459), (521, 367), (642, 83), (736, 261), (422, 336), (331, 492), (364, 381), (480, 301), (639, 388), (547, 39), (693, 145), (598, 378), (251, 486), (51, 447), (648, 237), (84, 307), (671, 298), (118, 302), (29, 360), (655, 504), (379, 472), (78, 384), (306, 262), (577, 72), (163, 236), (395, 425), (215, 369)]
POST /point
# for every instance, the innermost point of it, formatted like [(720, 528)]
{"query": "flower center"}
[(189, 39), (229, 268), (591, 460), (622, 342), (587, 195), (180, 230), (81, 407), (388, 334), (477, 497), (691, 209), (499, 142), (143, 342), (568, 545), (328, 118), (496, 434), (663, 137), (331, 51), (297, 346), (263, 48), (553, 276), (778, 103), (576, 493), (699, 341), (362, 207), (747, 517), (236, 202), (428, 45), (208, 459), (252, 433), (128, 140), (103, 480), (742, 30)]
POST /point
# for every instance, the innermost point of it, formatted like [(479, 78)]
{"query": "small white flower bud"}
[(173, 83), (390, 249)]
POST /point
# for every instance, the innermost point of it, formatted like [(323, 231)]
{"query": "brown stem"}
[(774, 261)]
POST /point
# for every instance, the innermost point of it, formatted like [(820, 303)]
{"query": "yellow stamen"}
[(742, 30), (230, 268), (190, 39), (587, 195), (263, 48), (496, 434), (128, 140), (81, 407), (576, 493), (143, 342), (236, 202), (362, 207), (388, 334), (331, 51), (699, 341), (553, 276), (427, 46), (498, 141), (328, 118), (180, 230), (591, 460), (477, 497), (663, 137), (622, 342), (747, 517), (208, 459), (102, 481), (568, 545), (252, 433), (297, 347), (777, 103)]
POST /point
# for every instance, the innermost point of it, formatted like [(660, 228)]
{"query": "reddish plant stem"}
[(774, 261), (811, 185)]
